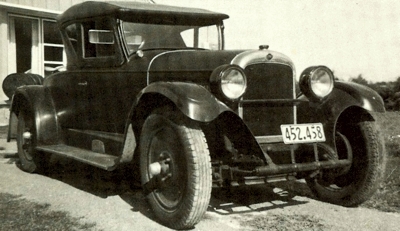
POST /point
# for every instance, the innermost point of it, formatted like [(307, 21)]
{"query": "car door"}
[(109, 88), (82, 93)]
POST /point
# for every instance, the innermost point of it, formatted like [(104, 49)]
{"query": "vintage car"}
[(151, 87)]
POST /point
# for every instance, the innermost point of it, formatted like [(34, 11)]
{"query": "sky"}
[(350, 37)]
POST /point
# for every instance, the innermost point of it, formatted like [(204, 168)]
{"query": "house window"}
[(36, 46), (24, 43), (53, 48)]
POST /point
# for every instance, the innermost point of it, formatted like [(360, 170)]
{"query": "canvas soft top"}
[(141, 12)]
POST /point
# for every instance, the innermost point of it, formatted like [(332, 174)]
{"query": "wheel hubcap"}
[(27, 135), (166, 169), (162, 166), (26, 145)]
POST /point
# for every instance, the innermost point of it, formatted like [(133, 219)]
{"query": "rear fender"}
[(38, 102)]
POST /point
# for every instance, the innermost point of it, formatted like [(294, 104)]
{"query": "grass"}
[(20, 214)]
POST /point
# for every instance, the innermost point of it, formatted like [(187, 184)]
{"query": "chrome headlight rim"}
[(317, 82), (229, 81)]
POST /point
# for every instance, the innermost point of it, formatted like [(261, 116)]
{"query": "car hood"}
[(189, 61), (197, 66)]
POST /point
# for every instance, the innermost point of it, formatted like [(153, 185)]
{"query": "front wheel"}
[(362, 179), (175, 170)]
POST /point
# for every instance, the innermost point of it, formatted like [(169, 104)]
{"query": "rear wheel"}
[(175, 170), (30, 160), (358, 183)]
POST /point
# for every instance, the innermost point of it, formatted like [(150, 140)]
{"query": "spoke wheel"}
[(30, 160), (358, 183), (175, 170)]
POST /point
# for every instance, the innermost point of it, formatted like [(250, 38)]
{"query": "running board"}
[(103, 161)]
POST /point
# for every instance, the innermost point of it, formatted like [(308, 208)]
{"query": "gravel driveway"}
[(105, 199)]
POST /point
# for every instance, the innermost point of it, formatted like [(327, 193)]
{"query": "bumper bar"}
[(291, 168)]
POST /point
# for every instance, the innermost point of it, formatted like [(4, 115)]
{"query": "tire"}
[(358, 183), (31, 160), (180, 194)]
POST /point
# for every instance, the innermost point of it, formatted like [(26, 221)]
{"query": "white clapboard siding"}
[(57, 5)]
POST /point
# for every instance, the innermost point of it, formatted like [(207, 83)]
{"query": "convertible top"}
[(141, 12)]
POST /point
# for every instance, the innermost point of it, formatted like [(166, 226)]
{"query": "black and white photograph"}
[(199, 115)]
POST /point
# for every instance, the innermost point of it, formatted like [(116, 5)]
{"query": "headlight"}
[(316, 82), (228, 81)]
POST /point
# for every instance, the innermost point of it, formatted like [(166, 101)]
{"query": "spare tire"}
[(38, 78), (13, 81)]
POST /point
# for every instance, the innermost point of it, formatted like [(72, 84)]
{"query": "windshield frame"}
[(219, 27)]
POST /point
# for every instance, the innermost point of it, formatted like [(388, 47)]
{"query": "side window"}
[(98, 38), (94, 44), (73, 35)]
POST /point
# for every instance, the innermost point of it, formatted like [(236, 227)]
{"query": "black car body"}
[(152, 85)]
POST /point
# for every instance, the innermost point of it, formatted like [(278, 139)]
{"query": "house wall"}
[(57, 5), (3, 47)]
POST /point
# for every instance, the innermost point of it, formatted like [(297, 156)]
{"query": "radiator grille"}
[(268, 81)]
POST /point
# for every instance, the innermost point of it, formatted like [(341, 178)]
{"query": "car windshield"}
[(139, 36)]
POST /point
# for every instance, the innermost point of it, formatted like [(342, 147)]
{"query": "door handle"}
[(82, 83)]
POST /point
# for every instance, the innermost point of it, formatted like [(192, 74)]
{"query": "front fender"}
[(343, 96), (38, 102), (191, 99), (356, 101), (359, 95)]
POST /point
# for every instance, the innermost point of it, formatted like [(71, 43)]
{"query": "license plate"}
[(302, 133)]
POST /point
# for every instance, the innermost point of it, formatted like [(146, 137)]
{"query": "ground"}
[(105, 198)]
